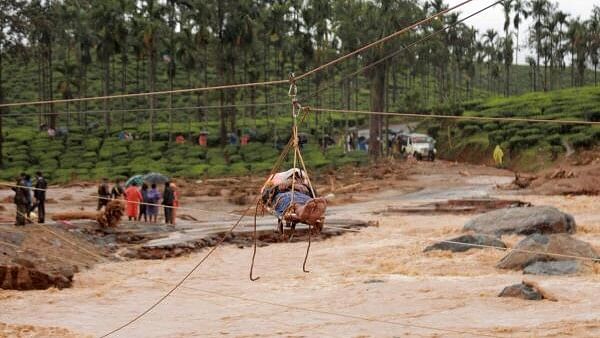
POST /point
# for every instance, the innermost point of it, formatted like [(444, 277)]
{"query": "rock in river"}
[(526, 290), (553, 268), (522, 221), (535, 248), (477, 239)]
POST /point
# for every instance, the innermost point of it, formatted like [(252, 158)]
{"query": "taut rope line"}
[(452, 117), (165, 296), (163, 92), (382, 40), (244, 85), (404, 48)]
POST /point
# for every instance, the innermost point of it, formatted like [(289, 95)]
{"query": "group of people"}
[(142, 203), (29, 197)]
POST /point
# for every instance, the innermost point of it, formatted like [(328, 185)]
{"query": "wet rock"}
[(535, 248), (554, 268), (477, 239), (524, 290), (522, 221)]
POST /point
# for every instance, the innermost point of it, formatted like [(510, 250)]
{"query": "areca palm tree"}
[(520, 13), (577, 41), (150, 16), (107, 17), (489, 37), (12, 30), (594, 41), (508, 42), (538, 10)]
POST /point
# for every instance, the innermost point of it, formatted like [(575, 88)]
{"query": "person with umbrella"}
[(133, 198), (153, 199)]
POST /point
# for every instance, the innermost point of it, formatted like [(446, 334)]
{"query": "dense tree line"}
[(233, 41)]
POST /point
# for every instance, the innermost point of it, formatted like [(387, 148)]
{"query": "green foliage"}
[(582, 140)]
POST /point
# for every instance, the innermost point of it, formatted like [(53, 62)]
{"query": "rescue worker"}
[(103, 194), (40, 196), (117, 191), (498, 156), (21, 200)]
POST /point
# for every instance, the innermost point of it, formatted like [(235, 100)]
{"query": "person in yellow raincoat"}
[(498, 156)]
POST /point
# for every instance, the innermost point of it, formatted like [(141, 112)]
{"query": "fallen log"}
[(110, 217), (74, 215)]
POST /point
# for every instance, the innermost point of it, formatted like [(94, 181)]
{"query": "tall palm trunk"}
[(105, 92), (377, 104), (53, 116), (124, 63), (151, 84)]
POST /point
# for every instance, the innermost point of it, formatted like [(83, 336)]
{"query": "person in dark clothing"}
[(143, 206), (40, 196), (117, 191), (103, 194), (21, 200), (167, 202), (27, 183)]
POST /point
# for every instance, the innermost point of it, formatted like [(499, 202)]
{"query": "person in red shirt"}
[(133, 197)]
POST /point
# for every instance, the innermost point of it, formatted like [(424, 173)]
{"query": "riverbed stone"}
[(554, 268), (535, 248), (523, 291), (476, 239), (522, 221)]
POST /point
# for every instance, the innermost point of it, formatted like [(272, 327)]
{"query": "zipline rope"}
[(134, 110), (403, 49), (452, 117), (384, 39), (274, 169), (253, 300), (163, 92)]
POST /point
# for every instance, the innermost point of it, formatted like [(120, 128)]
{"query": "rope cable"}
[(163, 92), (382, 40), (404, 48), (452, 117), (138, 110), (181, 281)]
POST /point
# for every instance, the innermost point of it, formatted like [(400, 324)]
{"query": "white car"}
[(419, 145)]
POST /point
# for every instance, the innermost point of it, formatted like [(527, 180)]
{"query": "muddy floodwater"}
[(375, 282)]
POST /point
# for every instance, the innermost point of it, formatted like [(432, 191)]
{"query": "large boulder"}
[(535, 248), (479, 241), (522, 221), (553, 268)]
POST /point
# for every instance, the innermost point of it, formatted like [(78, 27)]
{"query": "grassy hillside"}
[(528, 146)]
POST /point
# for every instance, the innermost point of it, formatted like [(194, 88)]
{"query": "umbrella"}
[(138, 179), (155, 178)]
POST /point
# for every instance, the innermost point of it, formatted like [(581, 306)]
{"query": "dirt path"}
[(379, 273)]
